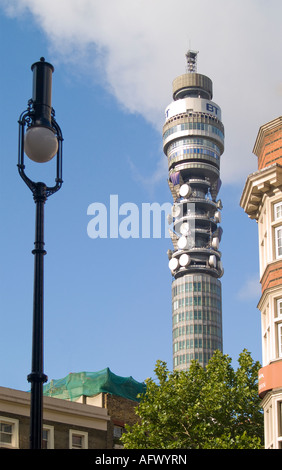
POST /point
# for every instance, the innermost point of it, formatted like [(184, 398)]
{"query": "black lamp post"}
[(40, 138)]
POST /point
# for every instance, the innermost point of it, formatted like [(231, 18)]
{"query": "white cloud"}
[(251, 290), (137, 47), (149, 182)]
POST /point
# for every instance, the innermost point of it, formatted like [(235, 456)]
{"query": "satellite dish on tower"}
[(212, 261), (173, 264), (184, 228), (182, 243), (185, 190), (215, 243), (184, 260), (175, 210)]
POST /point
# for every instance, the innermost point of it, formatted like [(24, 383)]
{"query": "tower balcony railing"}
[(198, 169), (205, 218), (199, 259), (195, 116), (199, 201), (194, 250), (198, 269)]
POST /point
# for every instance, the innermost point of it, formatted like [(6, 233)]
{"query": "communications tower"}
[(193, 141)]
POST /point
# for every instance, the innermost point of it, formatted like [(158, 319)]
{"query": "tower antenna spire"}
[(191, 57)]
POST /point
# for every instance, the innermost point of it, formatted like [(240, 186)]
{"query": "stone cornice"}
[(260, 183), (55, 409)]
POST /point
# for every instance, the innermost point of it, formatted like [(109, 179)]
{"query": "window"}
[(277, 215), (268, 428), (278, 210), (278, 242), (48, 437), (279, 425), (278, 326), (78, 440), (280, 422), (279, 308), (9, 432), (279, 339), (118, 432)]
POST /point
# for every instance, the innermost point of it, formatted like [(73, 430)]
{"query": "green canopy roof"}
[(91, 383)]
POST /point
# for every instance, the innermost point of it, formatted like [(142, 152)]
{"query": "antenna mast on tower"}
[(191, 57)]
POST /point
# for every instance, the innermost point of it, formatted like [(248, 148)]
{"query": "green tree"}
[(215, 407)]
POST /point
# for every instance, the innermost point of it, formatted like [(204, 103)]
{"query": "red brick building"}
[(262, 201)]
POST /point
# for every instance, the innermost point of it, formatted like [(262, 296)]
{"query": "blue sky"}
[(108, 301)]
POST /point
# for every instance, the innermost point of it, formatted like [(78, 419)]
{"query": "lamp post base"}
[(36, 409)]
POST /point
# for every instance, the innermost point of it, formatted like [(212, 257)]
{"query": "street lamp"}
[(40, 138)]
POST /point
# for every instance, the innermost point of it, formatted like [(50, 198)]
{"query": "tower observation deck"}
[(193, 141)]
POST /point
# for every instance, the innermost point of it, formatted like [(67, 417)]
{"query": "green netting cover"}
[(91, 383)]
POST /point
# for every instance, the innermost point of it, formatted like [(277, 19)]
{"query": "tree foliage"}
[(215, 407)]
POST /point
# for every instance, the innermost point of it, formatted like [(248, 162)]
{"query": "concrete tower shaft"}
[(193, 141)]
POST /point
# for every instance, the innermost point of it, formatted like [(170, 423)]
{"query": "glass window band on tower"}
[(193, 141), (196, 314)]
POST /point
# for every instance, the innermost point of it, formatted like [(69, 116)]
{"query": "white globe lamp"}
[(40, 144)]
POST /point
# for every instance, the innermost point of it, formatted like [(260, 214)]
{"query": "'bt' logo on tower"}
[(212, 108)]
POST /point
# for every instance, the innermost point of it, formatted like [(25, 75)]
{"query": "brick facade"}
[(98, 423), (268, 146), (272, 276)]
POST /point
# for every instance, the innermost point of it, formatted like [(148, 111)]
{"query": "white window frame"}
[(277, 247), (279, 308), (15, 432), (279, 414), (277, 208), (50, 439), (82, 434), (279, 334)]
